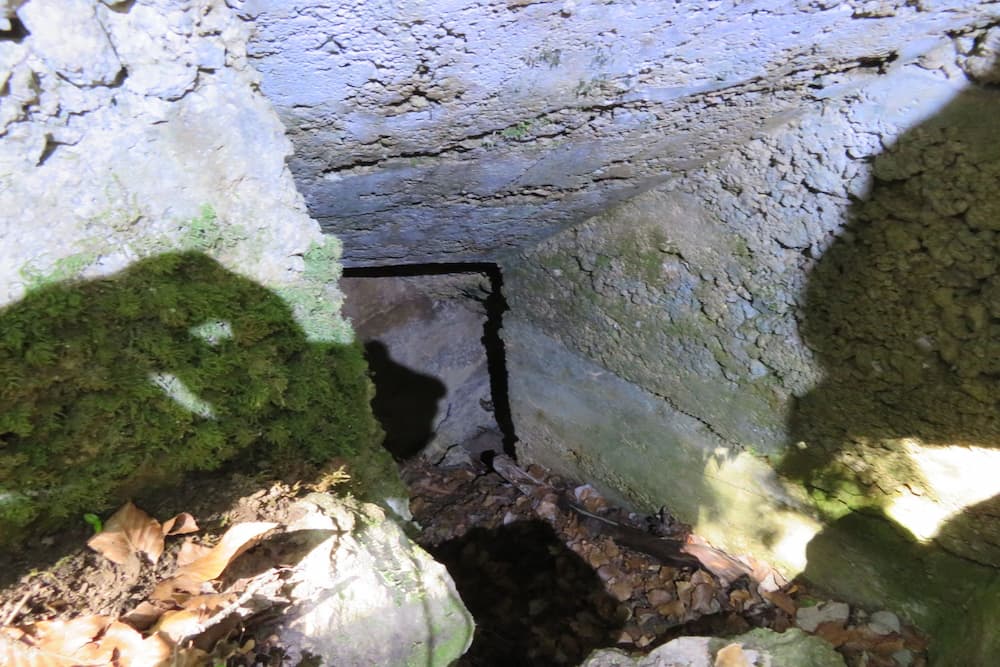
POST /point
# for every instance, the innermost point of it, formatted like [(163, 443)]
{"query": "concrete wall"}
[(795, 346)]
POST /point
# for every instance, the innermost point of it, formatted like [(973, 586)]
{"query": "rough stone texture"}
[(464, 129), (130, 129), (822, 300), (423, 338), (809, 618), (760, 648), (636, 448), (367, 595)]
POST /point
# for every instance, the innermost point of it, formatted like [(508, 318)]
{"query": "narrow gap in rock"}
[(16, 32), (432, 338), (50, 147)]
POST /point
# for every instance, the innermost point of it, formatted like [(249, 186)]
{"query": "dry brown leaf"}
[(835, 632), (702, 598), (237, 539), (732, 656), (738, 598), (190, 552), (212, 602), (188, 621), (177, 589), (52, 643), (782, 601), (181, 623), (209, 565), (182, 524), (129, 531), (672, 609), (127, 644), (14, 653), (66, 637), (143, 616)]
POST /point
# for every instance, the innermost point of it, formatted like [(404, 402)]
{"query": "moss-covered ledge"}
[(120, 383)]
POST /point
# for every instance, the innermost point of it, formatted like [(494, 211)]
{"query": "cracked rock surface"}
[(461, 130), (804, 329), (120, 123)]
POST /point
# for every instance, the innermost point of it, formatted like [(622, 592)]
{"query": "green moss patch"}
[(176, 364)]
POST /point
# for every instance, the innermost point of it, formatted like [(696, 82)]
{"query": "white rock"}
[(160, 62), (371, 597), (904, 658), (68, 37), (809, 618), (884, 622)]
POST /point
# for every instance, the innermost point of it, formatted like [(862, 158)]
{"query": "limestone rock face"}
[(367, 595), (458, 130), (133, 136), (69, 39), (800, 331), (121, 123)]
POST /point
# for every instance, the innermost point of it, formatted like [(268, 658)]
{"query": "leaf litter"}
[(106, 613), (166, 625), (101, 597), (655, 579)]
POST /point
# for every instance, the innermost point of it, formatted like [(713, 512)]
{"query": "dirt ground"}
[(546, 585)]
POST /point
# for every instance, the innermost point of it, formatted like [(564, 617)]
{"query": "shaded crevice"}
[(16, 32), (494, 305)]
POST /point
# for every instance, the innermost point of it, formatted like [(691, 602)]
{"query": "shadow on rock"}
[(903, 313), (116, 387), (535, 602), (405, 403)]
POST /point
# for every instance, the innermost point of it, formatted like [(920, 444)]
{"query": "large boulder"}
[(367, 595)]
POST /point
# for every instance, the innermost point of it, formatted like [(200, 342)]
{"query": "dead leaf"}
[(212, 602), (129, 531), (128, 645), (739, 598), (17, 654), (672, 609), (834, 632), (182, 524), (188, 622), (209, 565), (780, 600), (177, 589), (181, 623), (190, 552), (237, 539), (52, 643), (143, 616), (703, 599), (731, 656)]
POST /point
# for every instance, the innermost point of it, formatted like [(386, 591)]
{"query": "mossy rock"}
[(114, 385)]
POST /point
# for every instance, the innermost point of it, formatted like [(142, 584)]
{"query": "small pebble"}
[(884, 622), (809, 618), (904, 658), (659, 596)]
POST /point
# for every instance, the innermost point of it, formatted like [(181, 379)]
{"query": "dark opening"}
[(494, 305), (16, 32)]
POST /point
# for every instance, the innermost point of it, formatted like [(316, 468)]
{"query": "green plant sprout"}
[(94, 521)]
